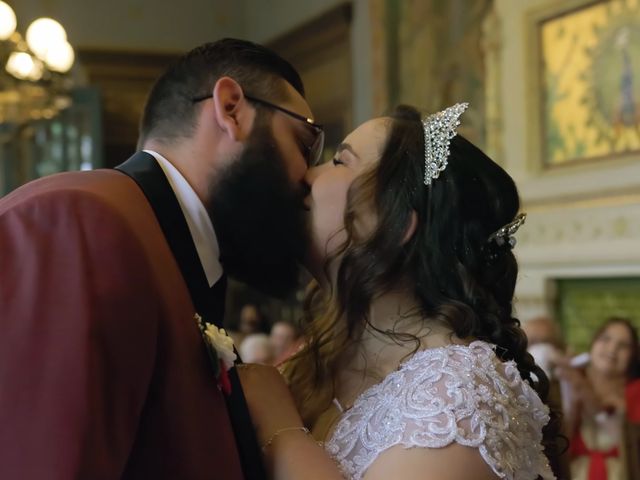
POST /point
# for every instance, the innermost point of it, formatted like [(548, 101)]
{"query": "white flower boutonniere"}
[(223, 344), (220, 349)]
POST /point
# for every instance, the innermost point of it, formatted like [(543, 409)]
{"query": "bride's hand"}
[(269, 400)]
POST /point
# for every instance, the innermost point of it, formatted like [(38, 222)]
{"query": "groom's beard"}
[(259, 218)]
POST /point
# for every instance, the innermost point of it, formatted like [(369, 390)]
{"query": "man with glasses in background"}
[(108, 278)]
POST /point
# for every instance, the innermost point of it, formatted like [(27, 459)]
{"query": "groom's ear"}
[(233, 113)]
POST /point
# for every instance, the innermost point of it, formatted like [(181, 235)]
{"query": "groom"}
[(103, 370)]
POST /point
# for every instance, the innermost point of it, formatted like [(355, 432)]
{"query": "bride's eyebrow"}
[(349, 148)]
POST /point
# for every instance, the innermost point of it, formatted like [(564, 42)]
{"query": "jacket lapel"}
[(209, 302)]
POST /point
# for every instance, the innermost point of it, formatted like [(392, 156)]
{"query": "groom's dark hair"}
[(170, 112)]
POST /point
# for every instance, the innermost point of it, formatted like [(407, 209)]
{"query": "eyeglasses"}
[(313, 152)]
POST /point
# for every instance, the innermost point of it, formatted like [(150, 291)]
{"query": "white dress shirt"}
[(198, 220)]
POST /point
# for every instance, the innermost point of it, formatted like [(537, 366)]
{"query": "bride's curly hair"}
[(457, 275)]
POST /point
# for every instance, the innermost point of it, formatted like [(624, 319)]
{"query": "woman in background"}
[(599, 398)]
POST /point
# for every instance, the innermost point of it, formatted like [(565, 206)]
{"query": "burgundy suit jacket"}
[(103, 373)]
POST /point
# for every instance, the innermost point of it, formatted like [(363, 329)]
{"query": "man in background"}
[(285, 340)]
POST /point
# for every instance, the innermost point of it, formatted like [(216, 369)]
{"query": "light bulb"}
[(23, 66), (7, 21), (60, 57), (44, 34)]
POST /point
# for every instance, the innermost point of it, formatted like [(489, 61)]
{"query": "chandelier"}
[(34, 80)]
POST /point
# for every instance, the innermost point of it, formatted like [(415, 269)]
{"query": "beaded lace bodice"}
[(457, 393)]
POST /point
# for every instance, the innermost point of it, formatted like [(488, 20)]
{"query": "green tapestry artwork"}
[(584, 304)]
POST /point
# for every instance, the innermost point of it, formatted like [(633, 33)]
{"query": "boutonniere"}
[(220, 349)]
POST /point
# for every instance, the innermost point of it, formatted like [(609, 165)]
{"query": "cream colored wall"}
[(177, 26), (266, 20), (158, 25), (583, 221)]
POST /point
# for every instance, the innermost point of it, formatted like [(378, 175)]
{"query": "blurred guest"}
[(256, 348), (601, 395), (543, 329), (544, 342), (284, 339), (251, 321)]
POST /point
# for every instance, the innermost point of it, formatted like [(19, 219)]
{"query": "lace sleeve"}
[(460, 394)]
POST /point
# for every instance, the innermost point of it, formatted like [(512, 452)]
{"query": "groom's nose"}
[(312, 175)]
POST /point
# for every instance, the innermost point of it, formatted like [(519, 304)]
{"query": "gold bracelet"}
[(283, 430)]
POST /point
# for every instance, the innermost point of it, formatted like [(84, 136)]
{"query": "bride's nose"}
[(314, 172)]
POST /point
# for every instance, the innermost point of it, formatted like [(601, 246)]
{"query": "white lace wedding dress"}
[(457, 393)]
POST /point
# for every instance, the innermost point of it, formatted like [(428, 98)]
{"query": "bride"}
[(414, 366)]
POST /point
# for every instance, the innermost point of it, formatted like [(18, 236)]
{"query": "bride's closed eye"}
[(337, 161)]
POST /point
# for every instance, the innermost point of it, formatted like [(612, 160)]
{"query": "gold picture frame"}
[(584, 82)]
